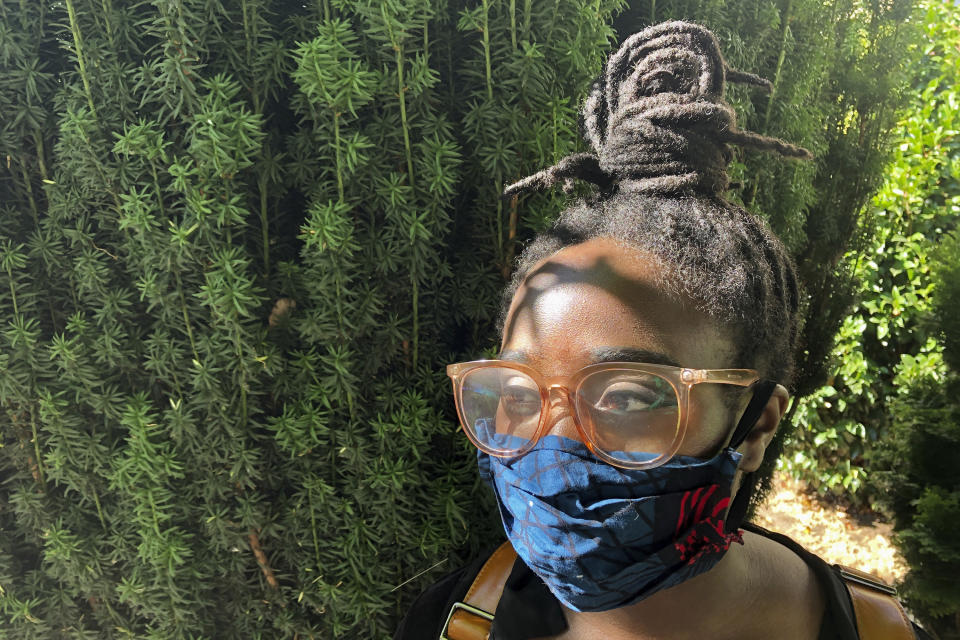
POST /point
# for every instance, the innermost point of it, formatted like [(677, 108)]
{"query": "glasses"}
[(630, 415)]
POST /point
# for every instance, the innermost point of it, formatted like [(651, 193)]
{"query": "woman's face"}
[(591, 302)]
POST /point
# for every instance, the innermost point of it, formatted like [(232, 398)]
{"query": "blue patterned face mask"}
[(602, 537)]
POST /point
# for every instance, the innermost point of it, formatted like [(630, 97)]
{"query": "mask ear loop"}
[(762, 392)]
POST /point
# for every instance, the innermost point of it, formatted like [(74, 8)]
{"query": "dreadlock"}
[(660, 132)]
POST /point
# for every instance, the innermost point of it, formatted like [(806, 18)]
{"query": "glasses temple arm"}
[(762, 391)]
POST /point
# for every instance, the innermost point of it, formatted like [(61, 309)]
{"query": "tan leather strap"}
[(880, 616), (472, 618)]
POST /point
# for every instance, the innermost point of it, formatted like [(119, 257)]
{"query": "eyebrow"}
[(607, 354)]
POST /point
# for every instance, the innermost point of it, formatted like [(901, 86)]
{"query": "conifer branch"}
[(78, 44), (427, 16), (36, 451), (156, 187), (781, 56), (511, 237), (264, 226), (186, 316), (527, 8), (336, 150), (13, 290), (262, 559), (28, 188), (485, 27), (313, 524), (408, 153), (96, 502), (107, 8), (41, 161), (102, 250)]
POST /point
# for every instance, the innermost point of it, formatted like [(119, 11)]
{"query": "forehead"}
[(600, 294)]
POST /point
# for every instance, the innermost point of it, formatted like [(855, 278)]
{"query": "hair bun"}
[(657, 120)]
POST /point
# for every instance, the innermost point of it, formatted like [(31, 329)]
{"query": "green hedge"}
[(240, 240), (919, 463), (887, 346)]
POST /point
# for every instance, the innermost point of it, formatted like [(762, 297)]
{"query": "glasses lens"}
[(632, 416), (500, 407)]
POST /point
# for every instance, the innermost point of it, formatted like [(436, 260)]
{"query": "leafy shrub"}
[(919, 466), (887, 345)]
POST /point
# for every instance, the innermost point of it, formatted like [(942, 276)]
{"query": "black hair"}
[(661, 132)]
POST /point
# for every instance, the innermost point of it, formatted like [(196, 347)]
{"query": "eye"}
[(520, 399), (634, 397)]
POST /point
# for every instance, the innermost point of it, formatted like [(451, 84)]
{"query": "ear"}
[(761, 435)]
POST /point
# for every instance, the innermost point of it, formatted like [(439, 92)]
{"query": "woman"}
[(645, 361)]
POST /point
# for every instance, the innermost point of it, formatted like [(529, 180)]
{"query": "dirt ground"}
[(829, 531)]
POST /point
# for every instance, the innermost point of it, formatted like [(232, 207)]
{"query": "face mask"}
[(601, 537)]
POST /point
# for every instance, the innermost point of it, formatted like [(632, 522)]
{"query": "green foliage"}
[(887, 346), (918, 465), (239, 242), (946, 275), (225, 258)]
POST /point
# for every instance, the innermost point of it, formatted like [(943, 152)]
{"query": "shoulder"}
[(856, 605), (787, 591), (425, 617)]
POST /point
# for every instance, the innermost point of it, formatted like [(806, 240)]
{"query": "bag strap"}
[(471, 618), (880, 616)]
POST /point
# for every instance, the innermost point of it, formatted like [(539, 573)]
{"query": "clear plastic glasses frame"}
[(680, 379)]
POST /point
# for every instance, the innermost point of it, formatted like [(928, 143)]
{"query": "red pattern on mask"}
[(697, 534)]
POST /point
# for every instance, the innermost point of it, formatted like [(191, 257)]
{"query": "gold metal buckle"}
[(867, 582), (469, 609)]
